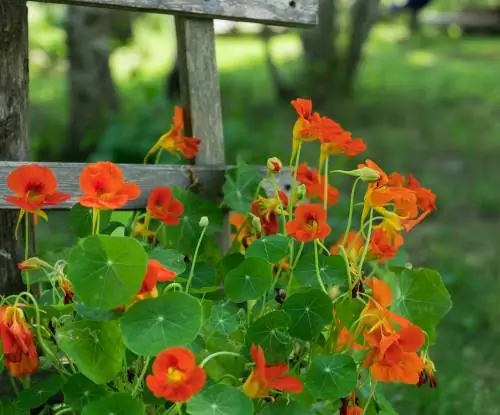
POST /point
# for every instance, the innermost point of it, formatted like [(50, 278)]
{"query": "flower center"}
[(312, 222), (175, 376), (34, 189)]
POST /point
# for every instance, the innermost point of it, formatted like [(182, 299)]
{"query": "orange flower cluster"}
[(315, 184), (243, 232), (19, 350), (332, 137), (176, 377), (174, 141), (264, 378)]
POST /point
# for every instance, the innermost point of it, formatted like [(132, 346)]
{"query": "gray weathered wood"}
[(200, 94), (277, 12), (146, 176), (13, 127)]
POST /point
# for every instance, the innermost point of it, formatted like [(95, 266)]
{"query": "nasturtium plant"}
[(306, 312)]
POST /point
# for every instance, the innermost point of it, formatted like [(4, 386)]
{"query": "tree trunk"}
[(13, 128), (320, 56), (364, 15), (92, 93)]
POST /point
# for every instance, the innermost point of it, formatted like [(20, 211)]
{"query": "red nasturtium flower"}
[(163, 206), (268, 209), (305, 119), (176, 377), (35, 187), (264, 378), (315, 184), (174, 141), (309, 223), (384, 244), (104, 186), (353, 245), (19, 350), (155, 273)]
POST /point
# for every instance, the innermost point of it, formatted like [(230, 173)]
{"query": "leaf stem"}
[(216, 354), (195, 256), (372, 394), (351, 209), (367, 242), (139, 380), (316, 265)]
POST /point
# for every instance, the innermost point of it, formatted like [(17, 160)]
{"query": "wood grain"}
[(13, 128), (146, 176), (272, 12)]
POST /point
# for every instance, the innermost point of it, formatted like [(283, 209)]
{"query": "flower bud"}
[(274, 164), (301, 192), (204, 222), (256, 223), (366, 174), (32, 264)]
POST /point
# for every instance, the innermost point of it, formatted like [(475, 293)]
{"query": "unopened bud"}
[(274, 164), (204, 222), (32, 264), (366, 174), (256, 223), (301, 192)]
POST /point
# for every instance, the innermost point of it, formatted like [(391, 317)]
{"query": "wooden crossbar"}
[(146, 176), (272, 12)]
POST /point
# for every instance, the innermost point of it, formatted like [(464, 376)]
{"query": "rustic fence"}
[(199, 94)]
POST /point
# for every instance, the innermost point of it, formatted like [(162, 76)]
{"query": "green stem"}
[(299, 253), (139, 380), (367, 243), (64, 411), (179, 408), (158, 156), (277, 193), (325, 191), (13, 383), (191, 273), (173, 286), (316, 264), (216, 354), (45, 348), (351, 209), (27, 248), (372, 394), (343, 253)]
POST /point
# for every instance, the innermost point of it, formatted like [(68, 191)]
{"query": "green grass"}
[(430, 106)]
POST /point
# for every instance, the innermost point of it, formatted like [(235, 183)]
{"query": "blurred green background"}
[(427, 104)]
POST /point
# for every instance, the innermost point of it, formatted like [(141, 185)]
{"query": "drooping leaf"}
[(116, 404), (169, 258), (106, 271), (331, 268), (221, 400), (310, 312), (240, 186), (40, 392), (249, 281), (185, 235), (422, 297), (80, 218), (153, 325), (80, 391), (272, 248), (95, 346), (271, 333), (331, 377)]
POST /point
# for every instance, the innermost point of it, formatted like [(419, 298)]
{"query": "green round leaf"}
[(310, 312), (249, 281), (223, 320), (107, 271), (204, 278), (272, 248), (95, 346), (281, 408), (80, 391), (220, 400), (229, 262), (169, 258), (271, 333), (422, 297), (331, 377), (331, 268), (240, 186), (39, 393), (153, 325), (116, 404), (80, 218), (96, 315)]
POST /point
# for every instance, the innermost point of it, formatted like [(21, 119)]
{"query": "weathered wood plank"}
[(200, 94), (146, 176), (276, 12), (13, 127)]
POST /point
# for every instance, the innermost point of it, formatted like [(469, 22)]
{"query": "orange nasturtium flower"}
[(264, 378), (353, 245), (350, 405), (384, 244), (243, 229), (19, 350), (163, 206), (155, 273), (174, 141), (315, 184), (305, 119), (268, 209), (176, 377), (35, 187), (309, 223)]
